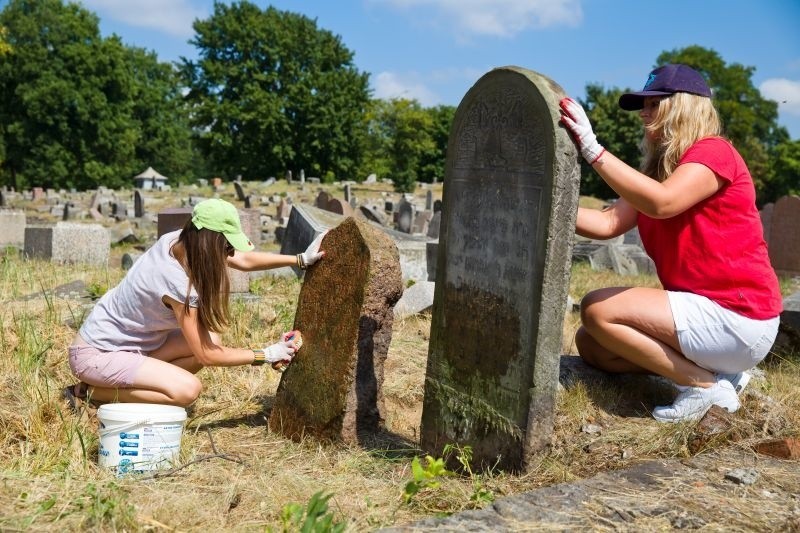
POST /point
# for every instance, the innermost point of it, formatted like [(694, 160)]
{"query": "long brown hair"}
[(206, 257), (682, 119)]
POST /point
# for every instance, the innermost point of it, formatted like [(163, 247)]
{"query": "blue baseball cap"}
[(664, 81)]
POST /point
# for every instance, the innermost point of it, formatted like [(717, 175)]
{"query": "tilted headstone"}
[(784, 237), (138, 204), (510, 201), (240, 195), (405, 216), (333, 388), (340, 207), (68, 242), (12, 227), (373, 213)]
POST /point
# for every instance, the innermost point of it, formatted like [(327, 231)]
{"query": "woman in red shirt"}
[(694, 203)]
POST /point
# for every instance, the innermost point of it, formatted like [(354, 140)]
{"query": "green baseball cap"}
[(218, 215)]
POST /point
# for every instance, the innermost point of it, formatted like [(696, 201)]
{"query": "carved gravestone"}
[(784, 238), (138, 204), (502, 275), (332, 389)]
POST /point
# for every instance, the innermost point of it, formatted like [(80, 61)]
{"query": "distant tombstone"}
[(388, 206), (248, 201), (68, 242), (270, 181), (240, 195), (332, 390), (3, 200), (283, 211), (37, 193), (437, 206), (372, 178), (766, 220), (322, 200), (289, 176), (348, 192), (313, 180), (405, 216), (173, 218), (129, 258), (416, 299), (433, 225), (138, 204), (12, 227), (216, 183), (503, 272), (784, 237), (429, 200), (68, 212), (302, 176), (421, 221), (373, 214), (340, 207), (202, 182)]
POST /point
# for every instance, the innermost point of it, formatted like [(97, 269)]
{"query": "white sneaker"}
[(739, 381), (694, 402)]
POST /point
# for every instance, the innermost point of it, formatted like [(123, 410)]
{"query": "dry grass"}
[(244, 476)]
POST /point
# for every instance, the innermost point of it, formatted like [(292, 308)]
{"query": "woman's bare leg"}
[(632, 330)]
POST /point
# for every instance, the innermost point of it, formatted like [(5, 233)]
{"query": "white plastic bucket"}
[(135, 437)]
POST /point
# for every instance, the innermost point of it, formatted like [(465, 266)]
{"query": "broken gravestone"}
[(332, 389), (510, 200)]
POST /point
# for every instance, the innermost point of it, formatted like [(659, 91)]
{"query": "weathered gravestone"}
[(12, 227), (332, 389), (784, 237), (510, 201), (240, 195), (138, 204), (69, 242)]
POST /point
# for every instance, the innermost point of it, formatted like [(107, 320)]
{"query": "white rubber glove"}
[(313, 253), (280, 351), (574, 118)]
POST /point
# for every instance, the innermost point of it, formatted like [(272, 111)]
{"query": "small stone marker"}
[(240, 195), (138, 204), (332, 389), (510, 200)]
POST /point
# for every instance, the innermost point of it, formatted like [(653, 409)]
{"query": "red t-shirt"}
[(716, 248)]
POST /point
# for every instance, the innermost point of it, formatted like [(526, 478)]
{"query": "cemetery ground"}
[(235, 474)]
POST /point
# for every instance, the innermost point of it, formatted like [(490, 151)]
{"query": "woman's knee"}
[(583, 342), (592, 309), (185, 391)]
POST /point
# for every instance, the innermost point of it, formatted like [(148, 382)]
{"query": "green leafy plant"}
[(427, 477), (96, 290), (480, 494), (313, 518)]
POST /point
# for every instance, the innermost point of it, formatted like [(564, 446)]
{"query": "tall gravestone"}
[(332, 389), (510, 200), (784, 239)]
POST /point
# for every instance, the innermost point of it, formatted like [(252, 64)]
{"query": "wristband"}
[(301, 264), (259, 358)]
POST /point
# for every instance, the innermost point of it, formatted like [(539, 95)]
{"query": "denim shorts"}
[(104, 369), (718, 339)]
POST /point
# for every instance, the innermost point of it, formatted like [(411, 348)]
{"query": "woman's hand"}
[(313, 253), (280, 351), (574, 118)]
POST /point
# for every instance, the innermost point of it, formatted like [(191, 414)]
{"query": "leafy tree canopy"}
[(272, 92), (76, 106)]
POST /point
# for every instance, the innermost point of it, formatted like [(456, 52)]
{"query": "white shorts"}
[(718, 339)]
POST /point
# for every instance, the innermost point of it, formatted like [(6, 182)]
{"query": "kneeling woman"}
[(146, 338)]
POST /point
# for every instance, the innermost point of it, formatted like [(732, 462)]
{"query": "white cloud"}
[(502, 18), (174, 17), (389, 85), (785, 92)]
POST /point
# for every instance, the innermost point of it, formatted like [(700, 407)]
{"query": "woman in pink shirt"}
[(693, 200)]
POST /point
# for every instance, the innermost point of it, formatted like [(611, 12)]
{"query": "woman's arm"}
[(608, 223), (200, 343), (249, 261), (688, 185)]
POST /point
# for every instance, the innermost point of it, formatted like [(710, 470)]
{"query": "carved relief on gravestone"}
[(332, 389), (784, 238), (502, 274)]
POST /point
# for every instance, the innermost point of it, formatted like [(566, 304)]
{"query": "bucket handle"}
[(123, 427)]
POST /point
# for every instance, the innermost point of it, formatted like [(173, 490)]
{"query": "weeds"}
[(313, 518)]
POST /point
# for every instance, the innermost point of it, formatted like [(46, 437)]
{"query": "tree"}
[(432, 162), (271, 91), (76, 107), (398, 138), (749, 120)]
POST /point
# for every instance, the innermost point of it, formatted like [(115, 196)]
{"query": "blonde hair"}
[(681, 120)]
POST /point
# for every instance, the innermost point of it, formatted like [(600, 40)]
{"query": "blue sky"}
[(435, 50)]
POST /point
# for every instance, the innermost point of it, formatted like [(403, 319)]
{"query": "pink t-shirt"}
[(716, 248)]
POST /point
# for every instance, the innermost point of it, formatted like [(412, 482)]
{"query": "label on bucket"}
[(142, 447)]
